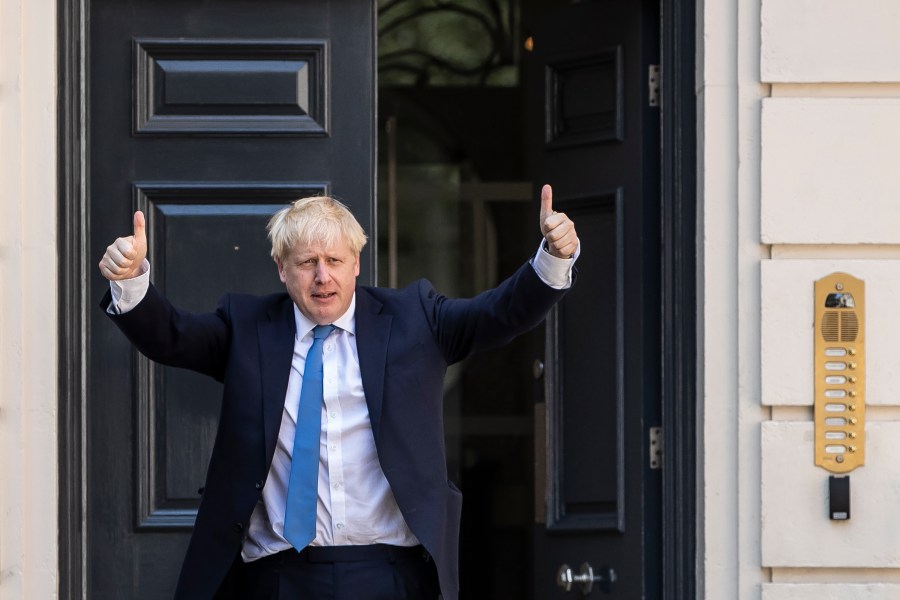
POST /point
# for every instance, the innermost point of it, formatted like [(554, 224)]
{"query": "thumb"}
[(140, 235), (546, 202)]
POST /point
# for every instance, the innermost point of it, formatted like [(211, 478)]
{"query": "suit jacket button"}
[(239, 526), (259, 485)]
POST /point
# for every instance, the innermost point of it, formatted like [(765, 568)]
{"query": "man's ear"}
[(356, 266), (281, 270)]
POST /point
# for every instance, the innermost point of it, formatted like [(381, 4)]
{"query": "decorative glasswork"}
[(448, 43)]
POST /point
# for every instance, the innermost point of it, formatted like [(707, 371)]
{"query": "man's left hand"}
[(557, 228)]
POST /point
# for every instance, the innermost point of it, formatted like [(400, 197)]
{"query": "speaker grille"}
[(840, 326), (830, 326), (849, 326)]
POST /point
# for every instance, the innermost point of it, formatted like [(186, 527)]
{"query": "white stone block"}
[(830, 591), (787, 320), (796, 530), (829, 170), (830, 41)]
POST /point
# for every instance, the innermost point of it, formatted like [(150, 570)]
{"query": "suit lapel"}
[(276, 351), (372, 333)]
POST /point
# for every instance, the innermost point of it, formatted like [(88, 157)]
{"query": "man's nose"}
[(322, 273)]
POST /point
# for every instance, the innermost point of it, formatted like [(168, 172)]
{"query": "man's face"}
[(320, 280)]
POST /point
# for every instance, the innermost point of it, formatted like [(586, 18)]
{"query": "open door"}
[(557, 458), (595, 115)]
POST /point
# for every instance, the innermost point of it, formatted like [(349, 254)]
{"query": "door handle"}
[(605, 576)]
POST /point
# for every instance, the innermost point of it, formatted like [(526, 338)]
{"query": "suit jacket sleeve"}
[(491, 319), (174, 337)]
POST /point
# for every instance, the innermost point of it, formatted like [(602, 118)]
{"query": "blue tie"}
[(300, 512)]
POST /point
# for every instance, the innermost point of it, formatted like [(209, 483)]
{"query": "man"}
[(377, 517)]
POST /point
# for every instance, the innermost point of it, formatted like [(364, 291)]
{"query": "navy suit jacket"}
[(405, 340)]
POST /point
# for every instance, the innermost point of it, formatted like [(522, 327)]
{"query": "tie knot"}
[(320, 332)]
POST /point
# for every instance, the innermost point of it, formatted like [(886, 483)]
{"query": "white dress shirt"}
[(355, 504)]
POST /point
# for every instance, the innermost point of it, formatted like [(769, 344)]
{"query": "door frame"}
[(74, 272), (678, 206), (678, 218)]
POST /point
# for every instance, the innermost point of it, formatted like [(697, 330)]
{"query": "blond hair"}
[(319, 219)]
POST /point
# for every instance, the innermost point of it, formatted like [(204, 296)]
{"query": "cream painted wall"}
[(829, 169), (812, 155), (729, 94), (825, 591), (830, 40), (787, 317), (797, 532), (28, 307)]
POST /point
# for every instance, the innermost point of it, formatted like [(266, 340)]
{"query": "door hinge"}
[(655, 449), (653, 84)]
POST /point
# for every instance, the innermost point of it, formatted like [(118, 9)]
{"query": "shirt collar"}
[(346, 321)]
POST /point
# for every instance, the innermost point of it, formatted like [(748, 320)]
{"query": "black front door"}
[(597, 137), (208, 116)]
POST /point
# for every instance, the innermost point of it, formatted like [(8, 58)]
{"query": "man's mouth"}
[(323, 295)]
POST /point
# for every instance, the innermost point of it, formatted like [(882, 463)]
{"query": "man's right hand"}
[(124, 257)]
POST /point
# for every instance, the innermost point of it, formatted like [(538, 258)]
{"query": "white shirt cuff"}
[(127, 293), (555, 272)]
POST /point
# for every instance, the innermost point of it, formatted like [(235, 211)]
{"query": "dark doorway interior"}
[(466, 219), (456, 205)]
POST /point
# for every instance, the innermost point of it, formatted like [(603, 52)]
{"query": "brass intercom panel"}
[(840, 371)]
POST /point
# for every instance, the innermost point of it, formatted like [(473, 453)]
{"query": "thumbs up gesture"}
[(124, 257), (557, 228)]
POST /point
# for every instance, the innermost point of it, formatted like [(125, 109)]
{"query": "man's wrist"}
[(127, 293)]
